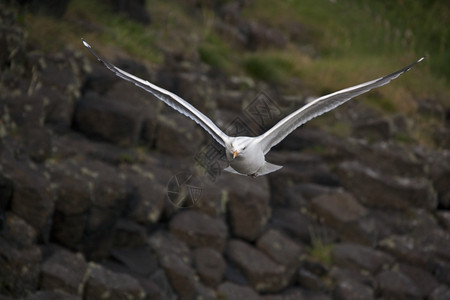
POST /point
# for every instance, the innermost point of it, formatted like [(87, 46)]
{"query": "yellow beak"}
[(235, 153)]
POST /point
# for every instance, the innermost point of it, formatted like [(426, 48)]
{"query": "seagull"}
[(246, 155)]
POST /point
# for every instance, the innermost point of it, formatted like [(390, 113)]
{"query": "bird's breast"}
[(249, 163)]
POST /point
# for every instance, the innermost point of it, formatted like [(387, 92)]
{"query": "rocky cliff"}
[(107, 193)]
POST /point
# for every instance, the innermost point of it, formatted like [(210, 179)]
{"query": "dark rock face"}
[(111, 121), (199, 230), (293, 222), (229, 290), (396, 285), (262, 273), (134, 9), (86, 160), (139, 260), (386, 191), (342, 212), (20, 268), (177, 135), (210, 265), (104, 283), (354, 256), (349, 289), (180, 274), (52, 295), (280, 248), (64, 271), (248, 208), (33, 199)]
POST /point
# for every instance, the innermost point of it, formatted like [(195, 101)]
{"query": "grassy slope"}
[(354, 40)]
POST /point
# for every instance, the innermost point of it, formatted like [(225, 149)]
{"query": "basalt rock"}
[(377, 189), (199, 230), (104, 283), (248, 206), (210, 265), (262, 273), (357, 257), (64, 271)]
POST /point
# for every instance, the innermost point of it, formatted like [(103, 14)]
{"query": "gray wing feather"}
[(169, 98), (319, 106)]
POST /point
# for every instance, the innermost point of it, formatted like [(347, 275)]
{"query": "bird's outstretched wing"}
[(319, 106), (169, 98)]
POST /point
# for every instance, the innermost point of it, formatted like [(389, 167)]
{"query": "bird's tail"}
[(268, 168)]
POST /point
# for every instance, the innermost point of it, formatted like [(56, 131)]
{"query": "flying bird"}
[(246, 155)]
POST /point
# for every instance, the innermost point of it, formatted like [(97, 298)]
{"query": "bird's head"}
[(237, 147)]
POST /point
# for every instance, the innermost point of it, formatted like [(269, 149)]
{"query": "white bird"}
[(246, 155)]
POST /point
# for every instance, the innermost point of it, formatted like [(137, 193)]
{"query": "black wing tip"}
[(413, 64), (86, 43), (405, 69), (416, 62)]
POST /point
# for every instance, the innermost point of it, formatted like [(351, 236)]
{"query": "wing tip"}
[(85, 43)]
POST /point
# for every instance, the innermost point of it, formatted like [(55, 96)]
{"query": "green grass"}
[(214, 52), (321, 246), (353, 41), (268, 68), (359, 40)]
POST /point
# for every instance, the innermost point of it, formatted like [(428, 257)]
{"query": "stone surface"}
[(20, 268), (180, 274), (33, 199), (178, 135), (140, 261), (17, 231), (134, 9), (381, 190), (260, 36), (148, 196), (164, 243), (299, 168), (112, 121), (444, 219), (396, 285), (309, 280), (403, 247), (199, 230), (338, 209), (342, 212), (6, 189), (262, 273), (64, 271), (338, 274), (349, 290), (422, 280), (355, 256), (440, 293), (280, 248), (295, 223), (377, 129), (248, 207), (128, 234), (229, 290), (210, 265), (103, 283), (52, 295), (73, 201)]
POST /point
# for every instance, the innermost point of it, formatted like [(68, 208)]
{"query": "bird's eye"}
[(244, 148)]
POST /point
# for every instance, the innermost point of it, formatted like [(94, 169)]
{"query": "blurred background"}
[(105, 191)]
